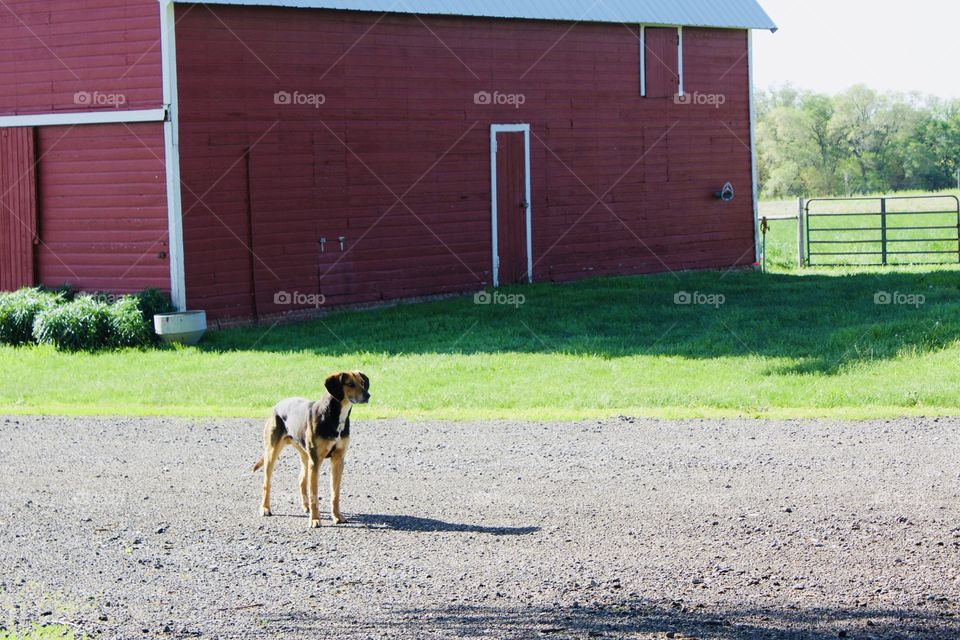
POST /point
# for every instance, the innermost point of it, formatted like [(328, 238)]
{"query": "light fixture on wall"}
[(726, 194)]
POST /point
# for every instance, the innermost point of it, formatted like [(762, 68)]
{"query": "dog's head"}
[(352, 386)]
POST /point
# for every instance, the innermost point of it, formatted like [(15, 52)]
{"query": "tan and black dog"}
[(317, 429)]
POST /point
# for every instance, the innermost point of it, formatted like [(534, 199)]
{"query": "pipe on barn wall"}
[(171, 138)]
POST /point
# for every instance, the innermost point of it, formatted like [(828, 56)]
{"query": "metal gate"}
[(902, 230)]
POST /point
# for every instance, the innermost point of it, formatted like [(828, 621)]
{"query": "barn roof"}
[(743, 14)]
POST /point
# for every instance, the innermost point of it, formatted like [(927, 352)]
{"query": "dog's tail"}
[(258, 466)]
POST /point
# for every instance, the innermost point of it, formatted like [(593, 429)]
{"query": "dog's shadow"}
[(428, 525)]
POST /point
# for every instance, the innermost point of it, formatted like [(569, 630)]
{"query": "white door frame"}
[(525, 130)]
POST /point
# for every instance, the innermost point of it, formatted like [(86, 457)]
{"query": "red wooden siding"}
[(50, 51), (18, 208), (103, 214), (663, 62), (400, 120)]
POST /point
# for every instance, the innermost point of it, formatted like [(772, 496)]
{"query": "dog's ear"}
[(366, 380), (334, 385)]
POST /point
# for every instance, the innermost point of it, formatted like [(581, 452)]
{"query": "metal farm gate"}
[(903, 230)]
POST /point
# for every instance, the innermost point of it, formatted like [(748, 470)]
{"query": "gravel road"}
[(130, 528)]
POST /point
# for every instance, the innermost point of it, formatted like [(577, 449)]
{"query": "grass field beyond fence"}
[(779, 344), (782, 238)]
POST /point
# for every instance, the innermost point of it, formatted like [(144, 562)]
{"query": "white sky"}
[(829, 45)]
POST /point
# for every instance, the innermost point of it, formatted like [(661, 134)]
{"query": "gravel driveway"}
[(131, 528)]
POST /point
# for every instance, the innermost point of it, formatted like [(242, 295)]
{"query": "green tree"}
[(858, 141)]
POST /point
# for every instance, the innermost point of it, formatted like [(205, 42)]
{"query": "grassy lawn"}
[(780, 344)]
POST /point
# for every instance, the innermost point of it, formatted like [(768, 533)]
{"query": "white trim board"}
[(643, 61), (67, 118), (525, 130), (171, 140), (680, 61), (753, 152)]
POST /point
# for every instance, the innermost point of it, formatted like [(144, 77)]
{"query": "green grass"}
[(49, 632), (782, 238), (783, 344)]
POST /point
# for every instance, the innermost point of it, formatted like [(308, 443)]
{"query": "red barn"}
[(258, 157)]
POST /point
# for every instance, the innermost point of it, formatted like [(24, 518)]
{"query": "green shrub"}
[(152, 302), (128, 325), (77, 322), (66, 291), (84, 324), (19, 309)]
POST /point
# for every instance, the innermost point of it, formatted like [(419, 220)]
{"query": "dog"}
[(317, 430)]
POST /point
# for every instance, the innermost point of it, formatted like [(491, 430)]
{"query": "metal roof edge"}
[(759, 18)]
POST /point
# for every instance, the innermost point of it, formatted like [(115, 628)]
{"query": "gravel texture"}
[(130, 528)]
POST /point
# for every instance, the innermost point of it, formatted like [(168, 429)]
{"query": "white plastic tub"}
[(186, 327)]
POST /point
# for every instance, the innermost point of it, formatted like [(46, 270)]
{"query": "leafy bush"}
[(152, 302), (128, 325), (76, 322), (19, 309), (66, 291), (84, 324)]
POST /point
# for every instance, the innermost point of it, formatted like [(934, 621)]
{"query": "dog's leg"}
[(336, 475), (304, 464), (313, 476), (271, 452)]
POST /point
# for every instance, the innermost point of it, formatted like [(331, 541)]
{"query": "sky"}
[(830, 45)]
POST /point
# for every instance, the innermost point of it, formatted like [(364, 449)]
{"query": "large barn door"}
[(297, 232), (18, 207), (510, 170)]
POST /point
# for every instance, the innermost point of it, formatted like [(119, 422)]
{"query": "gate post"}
[(958, 220), (883, 229), (800, 260)]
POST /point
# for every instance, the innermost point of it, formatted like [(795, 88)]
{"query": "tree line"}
[(859, 141)]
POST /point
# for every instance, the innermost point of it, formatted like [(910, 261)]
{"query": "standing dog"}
[(317, 430)]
